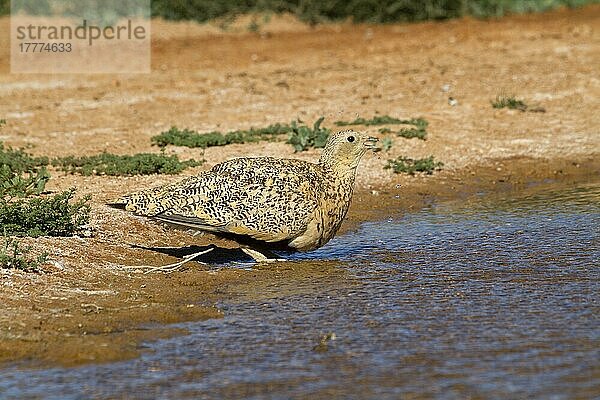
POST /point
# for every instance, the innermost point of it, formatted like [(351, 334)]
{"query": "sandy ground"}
[(86, 308)]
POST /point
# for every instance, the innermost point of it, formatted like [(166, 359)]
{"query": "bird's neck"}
[(341, 173), (341, 168), (336, 200)]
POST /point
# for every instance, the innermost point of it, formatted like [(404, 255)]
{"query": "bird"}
[(263, 203)]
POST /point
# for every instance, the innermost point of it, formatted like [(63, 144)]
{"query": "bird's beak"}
[(371, 143)]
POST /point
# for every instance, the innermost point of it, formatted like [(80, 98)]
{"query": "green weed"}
[(189, 138), (410, 166), (16, 162), (19, 161), (13, 256), (372, 11), (386, 144), (384, 120), (124, 165), (503, 101), (13, 185), (21, 175), (409, 133), (255, 26), (303, 137), (55, 215), (23, 211), (419, 129)]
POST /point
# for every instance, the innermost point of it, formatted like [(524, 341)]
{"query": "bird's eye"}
[(351, 139)]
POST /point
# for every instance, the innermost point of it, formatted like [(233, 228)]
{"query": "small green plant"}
[(411, 166), (13, 256), (19, 161), (124, 165), (190, 138), (55, 215), (21, 175), (409, 133), (303, 137), (254, 26), (503, 101), (418, 130), (23, 211), (386, 144), (14, 185), (377, 120), (383, 120), (511, 102), (2, 122)]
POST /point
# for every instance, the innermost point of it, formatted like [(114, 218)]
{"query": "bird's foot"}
[(170, 267), (260, 257)]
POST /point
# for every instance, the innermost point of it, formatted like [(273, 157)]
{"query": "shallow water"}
[(497, 297)]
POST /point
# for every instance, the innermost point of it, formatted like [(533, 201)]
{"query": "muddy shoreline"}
[(84, 314)]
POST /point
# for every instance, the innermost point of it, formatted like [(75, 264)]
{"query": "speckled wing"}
[(265, 198)]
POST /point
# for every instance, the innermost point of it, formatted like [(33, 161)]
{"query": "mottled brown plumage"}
[(298, 203)]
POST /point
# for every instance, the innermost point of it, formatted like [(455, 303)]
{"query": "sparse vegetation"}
[(511, 102), (23, 211), (14, 256), (418, 130), (56, 215), (15, 162), (409, 133), (313, 12), (300, 136), (503, 101), (386, 144), (411, 166), (255, 25), (190, 138), (124, 165), (303, 137), (15, 185), (19, 161), (383, 120), (26, 211), (372, 11), (21, 175)]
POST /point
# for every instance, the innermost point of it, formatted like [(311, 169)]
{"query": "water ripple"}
[(496, 298)]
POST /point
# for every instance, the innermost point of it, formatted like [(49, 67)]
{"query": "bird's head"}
[(344, 150)]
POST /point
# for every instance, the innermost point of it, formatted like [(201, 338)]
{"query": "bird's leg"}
[(264, 256), (170, 267)]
